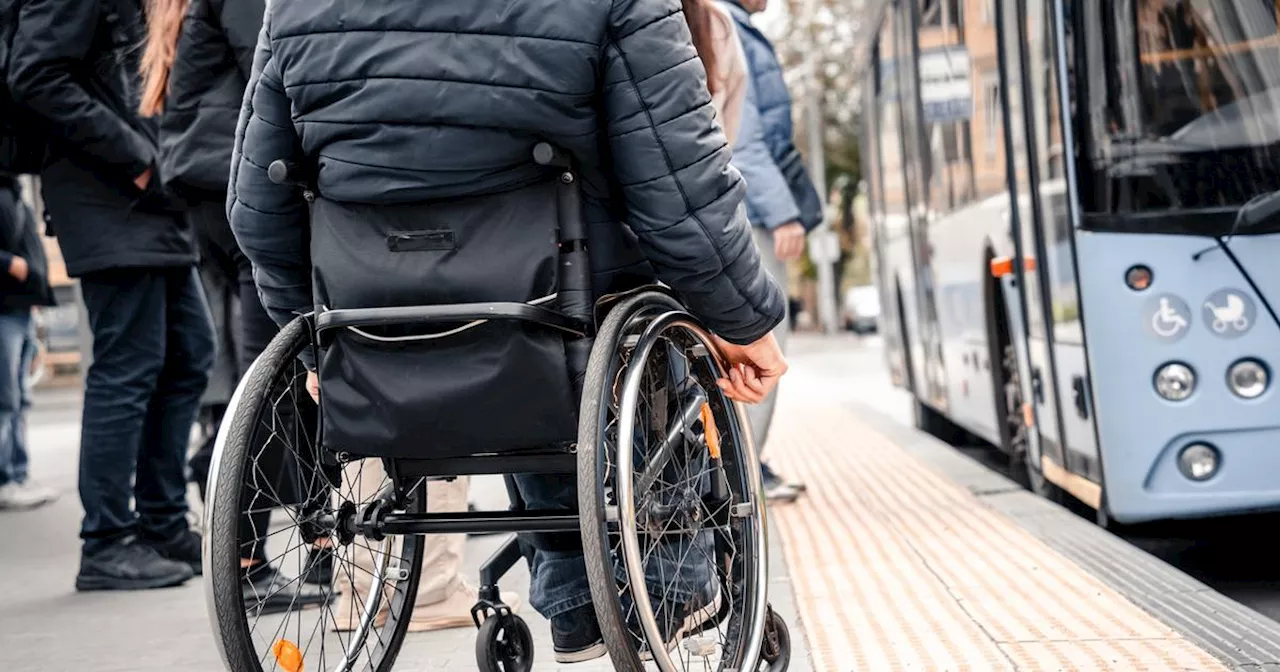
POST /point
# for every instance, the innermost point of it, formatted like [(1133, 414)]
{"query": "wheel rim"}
[(264, 629), (739, 644)]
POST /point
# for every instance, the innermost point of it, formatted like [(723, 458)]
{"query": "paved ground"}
[(893, 564), (45, 626)]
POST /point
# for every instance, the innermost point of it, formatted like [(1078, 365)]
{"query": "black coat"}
[(74, 63), (20, 237), (210, 71), (404, 101)]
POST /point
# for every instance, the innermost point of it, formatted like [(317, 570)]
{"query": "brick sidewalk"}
[(898, 568)]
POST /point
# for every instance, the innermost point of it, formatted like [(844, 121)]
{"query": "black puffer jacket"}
[(210, 72), (402, 101), (74, 64)]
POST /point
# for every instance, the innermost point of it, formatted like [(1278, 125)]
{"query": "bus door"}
[(928, 364), (1031, 244), (1051, 51)]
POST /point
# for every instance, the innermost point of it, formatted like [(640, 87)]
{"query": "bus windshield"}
[(1188, 92)]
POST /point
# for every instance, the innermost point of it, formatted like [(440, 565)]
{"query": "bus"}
[(1076, 240)]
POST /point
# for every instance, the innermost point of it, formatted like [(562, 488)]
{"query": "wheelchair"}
[(669, 501)]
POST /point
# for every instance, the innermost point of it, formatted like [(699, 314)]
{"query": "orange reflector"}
[(288, 655), (1001, 266), (712, 434), (1028, 418), (1029, 263)]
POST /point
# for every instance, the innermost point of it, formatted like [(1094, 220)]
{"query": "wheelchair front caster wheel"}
[(776, 651), (504, 644)]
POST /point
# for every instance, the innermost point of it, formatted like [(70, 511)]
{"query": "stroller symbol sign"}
[(1229, 313)]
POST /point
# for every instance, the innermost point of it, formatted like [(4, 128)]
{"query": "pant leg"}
[(127, 315), (161, 487), (443, 553), (243, 340), (14, 327), (761, 415), (558, 579), (21, 456)]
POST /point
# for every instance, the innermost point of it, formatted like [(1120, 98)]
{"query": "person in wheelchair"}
[(399, 111)]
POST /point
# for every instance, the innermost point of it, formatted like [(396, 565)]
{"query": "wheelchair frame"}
[(379, 519)]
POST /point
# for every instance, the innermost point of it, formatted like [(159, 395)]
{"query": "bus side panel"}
[(1141, 433), (960, 268)]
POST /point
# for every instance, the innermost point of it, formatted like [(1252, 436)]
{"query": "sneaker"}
[(775, 489), (575, 636), (684, 620), (267, 591), (130, 565), (183, 548), (319, 570), (27, 495)]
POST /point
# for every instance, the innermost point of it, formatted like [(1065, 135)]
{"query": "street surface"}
[(45, 626)]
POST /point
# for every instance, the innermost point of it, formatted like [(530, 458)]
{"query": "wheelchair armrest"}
[(460, 312)]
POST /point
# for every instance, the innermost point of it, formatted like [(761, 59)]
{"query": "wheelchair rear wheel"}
[(673, 516), (279, 503)]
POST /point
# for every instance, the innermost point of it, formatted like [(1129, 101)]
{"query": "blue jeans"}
[(17, 349), (153, 350), (675, 570)]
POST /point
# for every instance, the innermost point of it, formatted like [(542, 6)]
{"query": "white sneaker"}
[(27, 495)]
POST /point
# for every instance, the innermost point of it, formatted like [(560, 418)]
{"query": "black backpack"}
[(22, 139)]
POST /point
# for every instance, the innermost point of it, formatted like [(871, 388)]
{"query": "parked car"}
[(861, 312)]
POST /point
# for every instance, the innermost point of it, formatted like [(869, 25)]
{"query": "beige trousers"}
[(443, 553)]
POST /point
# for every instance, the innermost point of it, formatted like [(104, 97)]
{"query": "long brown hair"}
[(164, 23), (698, 15)]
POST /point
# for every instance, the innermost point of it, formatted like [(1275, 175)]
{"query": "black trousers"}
[(152, 350), (223, 262)]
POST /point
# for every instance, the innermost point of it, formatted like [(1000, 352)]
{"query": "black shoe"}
[(267, 591), (575, 636), (183, 548), (319, 570), (130, 565)]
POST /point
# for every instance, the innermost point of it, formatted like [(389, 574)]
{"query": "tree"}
[(828, 36)]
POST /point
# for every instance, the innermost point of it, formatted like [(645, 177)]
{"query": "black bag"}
[(22, 136), (442, 390)]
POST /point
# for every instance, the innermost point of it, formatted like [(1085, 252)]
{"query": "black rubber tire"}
[(595, 543), (221, 557), (602, 371), (497, 637), (780, 658)]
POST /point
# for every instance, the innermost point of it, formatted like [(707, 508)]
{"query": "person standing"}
[(73, 63), (24, 285), (782, 203)]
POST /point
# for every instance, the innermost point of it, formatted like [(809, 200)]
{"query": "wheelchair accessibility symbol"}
[(1229, 313), (1168, 317)]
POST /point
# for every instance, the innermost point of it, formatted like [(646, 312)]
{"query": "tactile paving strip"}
[(898, 568)]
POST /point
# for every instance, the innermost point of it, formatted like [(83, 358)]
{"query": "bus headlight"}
[(1247, 378), (1198, 461), (1175, 381)]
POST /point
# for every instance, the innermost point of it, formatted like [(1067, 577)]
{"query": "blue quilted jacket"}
[(404, 101), (778, 186)]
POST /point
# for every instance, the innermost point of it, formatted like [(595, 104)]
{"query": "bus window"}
[(1192, 88)]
